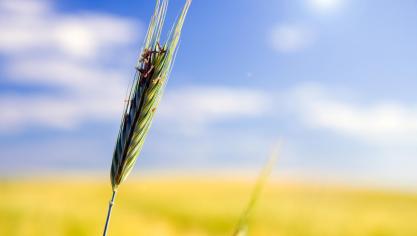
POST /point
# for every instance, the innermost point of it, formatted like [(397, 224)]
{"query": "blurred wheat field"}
[(198, 206)]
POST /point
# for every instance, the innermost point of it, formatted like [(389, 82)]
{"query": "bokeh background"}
[(335, 80)]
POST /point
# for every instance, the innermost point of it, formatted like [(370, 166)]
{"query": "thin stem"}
[(111, 203)]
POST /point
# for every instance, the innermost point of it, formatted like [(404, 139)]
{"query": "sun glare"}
[(326, 5)]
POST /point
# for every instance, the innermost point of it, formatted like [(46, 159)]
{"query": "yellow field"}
[(180, 206)]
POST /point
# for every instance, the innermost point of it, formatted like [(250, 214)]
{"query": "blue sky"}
[(335, 79)]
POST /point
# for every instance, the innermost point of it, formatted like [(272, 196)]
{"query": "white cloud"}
[(35, 26), (64, 112), (85, 35), (378, 122), (195, 107), (77, 57), (289, 38), (24, 8)]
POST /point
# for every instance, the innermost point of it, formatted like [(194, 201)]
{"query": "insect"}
[(146, 60)]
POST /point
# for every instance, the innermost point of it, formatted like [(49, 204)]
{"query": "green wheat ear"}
[(243, 224), (152, 72)]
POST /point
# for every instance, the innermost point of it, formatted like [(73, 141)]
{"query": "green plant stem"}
[(111, 203), (242, 227)]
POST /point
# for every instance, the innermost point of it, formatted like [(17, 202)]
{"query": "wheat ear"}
[(242, 226), (152, 72)]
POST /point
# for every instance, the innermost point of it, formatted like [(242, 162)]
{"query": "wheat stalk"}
[(243, 223), (152, 72)]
